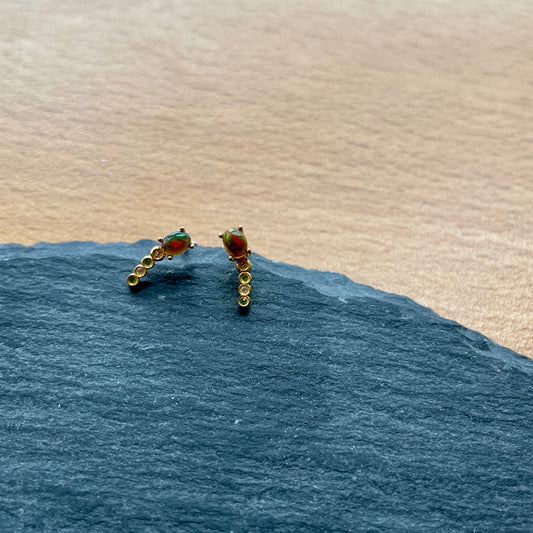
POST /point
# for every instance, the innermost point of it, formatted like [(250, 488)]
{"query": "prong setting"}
[(173, 244), (236, 245)]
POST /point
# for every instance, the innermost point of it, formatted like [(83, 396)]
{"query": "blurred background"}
[(391, 141)]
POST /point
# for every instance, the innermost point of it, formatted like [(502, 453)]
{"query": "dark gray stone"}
[(329, 407)]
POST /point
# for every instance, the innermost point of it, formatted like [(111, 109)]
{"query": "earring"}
[(236, 245), (173, 244)]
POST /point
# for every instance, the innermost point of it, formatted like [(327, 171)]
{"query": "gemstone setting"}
[(176, 243), (235, 243), (243, 301), (244, 289), (157, 254), (245, 277), (243, 265), (147, 261), (139, 271)]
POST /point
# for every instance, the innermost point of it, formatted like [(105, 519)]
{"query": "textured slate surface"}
[(330, 406)]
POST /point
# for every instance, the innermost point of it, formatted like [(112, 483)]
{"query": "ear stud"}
[(175, 243), (236, 245)]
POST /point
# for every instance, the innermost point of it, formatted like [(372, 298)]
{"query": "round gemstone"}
[(235, 243), (244, 301), (243, 264), (245, 277), (132, 280), (244, 289), (176, 243), (147, 262), (139, 270), (157, 254)]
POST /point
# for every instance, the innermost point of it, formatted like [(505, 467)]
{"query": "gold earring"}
[(236, 245), (173, 244)]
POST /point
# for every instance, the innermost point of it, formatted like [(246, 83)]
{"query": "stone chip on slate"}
[(329, 406)]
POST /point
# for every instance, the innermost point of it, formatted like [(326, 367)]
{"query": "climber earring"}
[(173, 244), (236, 245)]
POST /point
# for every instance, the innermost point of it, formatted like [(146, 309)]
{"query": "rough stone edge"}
[(332, 284)]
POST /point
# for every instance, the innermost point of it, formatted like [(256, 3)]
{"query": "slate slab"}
[(330, 406)]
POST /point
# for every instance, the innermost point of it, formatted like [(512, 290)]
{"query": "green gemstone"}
[(132, 280), (245, 279), (147, 261)]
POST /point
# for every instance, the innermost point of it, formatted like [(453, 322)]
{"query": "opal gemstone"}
[(176, 243), (235, 243)]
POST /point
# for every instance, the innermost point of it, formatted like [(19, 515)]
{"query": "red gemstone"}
[(235, 243), (176, 243)]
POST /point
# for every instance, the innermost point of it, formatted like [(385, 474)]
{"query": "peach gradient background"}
[(390, 141)]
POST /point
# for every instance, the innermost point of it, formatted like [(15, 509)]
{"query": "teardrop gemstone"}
[(176, 243), (235, 243)]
